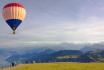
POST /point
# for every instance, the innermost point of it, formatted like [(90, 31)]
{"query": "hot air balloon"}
[(14, 14)]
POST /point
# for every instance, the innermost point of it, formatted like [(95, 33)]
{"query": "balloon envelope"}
[(14, 14)]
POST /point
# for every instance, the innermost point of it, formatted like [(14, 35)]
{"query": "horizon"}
[(45, 45)]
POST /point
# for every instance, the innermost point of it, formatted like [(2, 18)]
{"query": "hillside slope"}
[(59, 66)]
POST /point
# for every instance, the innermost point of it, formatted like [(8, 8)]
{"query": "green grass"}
[(59, 66)]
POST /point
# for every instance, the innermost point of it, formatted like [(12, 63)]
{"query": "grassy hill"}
[(59, 66)]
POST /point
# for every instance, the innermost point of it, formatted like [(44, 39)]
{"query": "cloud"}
[(90, 30), (57, 21)]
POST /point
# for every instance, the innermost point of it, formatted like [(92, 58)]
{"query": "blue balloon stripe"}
[(14, 23)]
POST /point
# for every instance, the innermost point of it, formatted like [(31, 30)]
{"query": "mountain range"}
[(65, 52)]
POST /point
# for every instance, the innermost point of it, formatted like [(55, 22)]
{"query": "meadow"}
[(59, 66)]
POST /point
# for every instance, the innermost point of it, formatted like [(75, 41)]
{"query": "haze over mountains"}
[(47, 52)]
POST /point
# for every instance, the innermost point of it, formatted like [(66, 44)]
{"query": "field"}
[(59, 66)]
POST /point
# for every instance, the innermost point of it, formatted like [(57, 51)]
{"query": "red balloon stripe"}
[(13, 4)]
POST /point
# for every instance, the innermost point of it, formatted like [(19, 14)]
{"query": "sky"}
[(56, 21)]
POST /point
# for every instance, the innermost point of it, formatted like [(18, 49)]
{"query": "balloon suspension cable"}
[(14, 32), (14, 28)]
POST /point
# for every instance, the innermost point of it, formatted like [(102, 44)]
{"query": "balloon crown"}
[(14, 4)]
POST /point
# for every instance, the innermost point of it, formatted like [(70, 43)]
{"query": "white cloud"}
[(66, 21)]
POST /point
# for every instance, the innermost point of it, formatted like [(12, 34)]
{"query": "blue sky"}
[(56, 21)]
